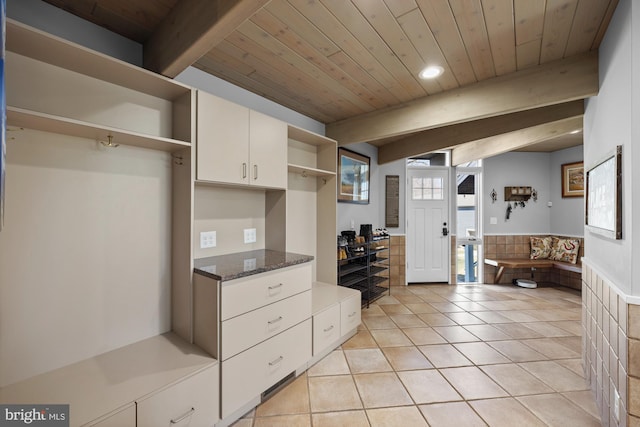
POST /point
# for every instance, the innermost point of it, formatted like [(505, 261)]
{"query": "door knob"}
[(445, 230)]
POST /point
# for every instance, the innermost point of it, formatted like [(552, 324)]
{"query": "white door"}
[(427, 225)]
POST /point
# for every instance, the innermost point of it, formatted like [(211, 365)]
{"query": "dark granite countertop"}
[(242, 264)]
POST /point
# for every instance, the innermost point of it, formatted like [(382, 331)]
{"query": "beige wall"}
[(228, 211), (84, 253)]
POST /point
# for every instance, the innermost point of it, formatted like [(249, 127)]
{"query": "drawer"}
[(244, 331), (350, 311), (248, 293), (246, 375), (326, 328), (123, 418), (191, 402)]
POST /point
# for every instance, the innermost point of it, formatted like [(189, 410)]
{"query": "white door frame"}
[(478, 239), (450, 191)]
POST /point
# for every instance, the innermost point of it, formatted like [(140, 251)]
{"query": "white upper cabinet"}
[(237, 145), (223, 141), (268, 151)]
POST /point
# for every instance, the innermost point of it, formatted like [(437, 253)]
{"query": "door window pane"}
[(427, 188)]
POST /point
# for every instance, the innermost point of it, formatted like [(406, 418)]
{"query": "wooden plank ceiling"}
[(354, 65)]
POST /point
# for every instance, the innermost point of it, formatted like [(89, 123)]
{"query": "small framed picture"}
[(573, 179), (353, 177)]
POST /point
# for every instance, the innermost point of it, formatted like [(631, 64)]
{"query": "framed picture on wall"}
[(573, 179), (353, 177), (604, 196)]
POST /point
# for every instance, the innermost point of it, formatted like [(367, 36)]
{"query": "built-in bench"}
[(501, 264), (507, 258)]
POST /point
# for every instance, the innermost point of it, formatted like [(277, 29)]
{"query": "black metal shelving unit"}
[(366, 268)]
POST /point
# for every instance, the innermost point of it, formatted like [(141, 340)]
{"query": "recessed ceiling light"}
[(573, 132), (431, 72)]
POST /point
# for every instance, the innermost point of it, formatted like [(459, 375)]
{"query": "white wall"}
[(517, 169), (611, 118), (567, 214), (85, 252)]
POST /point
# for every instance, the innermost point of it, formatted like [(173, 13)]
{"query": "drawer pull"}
[(276, 320), (184, 417), (329, 328), (274, 287), (352, 314), (275, 362)]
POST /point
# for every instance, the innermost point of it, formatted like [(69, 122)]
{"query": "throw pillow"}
[(565, 250), (540, 247)]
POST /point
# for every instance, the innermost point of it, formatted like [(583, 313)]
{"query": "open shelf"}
[(36, 44), (103, 96), (50, 123), (305, 170)]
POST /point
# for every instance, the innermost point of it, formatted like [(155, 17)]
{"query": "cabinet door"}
[(246, 375), (350, 313), (268, 151), (326, 328), (192, 402), (247, 330), (223, 140)]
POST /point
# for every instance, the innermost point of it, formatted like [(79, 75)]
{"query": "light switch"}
[(493, 220)]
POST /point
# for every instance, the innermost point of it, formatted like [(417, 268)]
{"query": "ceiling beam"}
[(452, 135), (492, 146), (193, 28), (556, 82)]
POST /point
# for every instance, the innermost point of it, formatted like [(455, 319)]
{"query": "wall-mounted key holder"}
[(517, 194)]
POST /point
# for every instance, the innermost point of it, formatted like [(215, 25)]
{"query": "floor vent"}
[(277, 386)]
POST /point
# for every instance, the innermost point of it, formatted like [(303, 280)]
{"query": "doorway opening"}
[(428, 242), (468, 255)]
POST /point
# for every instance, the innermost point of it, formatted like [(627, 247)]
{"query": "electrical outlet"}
[(207, 239), (249, 235), (616, 405), (493, 220)]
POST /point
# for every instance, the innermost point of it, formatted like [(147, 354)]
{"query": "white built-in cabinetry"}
[(259, 327), (311, 200), (149, 383), (60, 87), (336, 317), (237, 145), (56, 86)]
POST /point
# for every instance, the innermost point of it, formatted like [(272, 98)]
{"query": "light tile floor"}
[(443, 355)]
